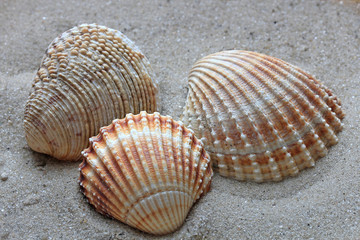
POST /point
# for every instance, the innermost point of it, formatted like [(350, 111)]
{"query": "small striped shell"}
[(260, 118), (89, 76), (145, 170)]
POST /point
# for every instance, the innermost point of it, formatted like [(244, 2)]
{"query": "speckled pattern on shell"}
[(89, 76), (260, 118), (145, 170)]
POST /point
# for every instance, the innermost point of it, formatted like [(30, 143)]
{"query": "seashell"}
[(260, 118), (145, 170), (89, 76)]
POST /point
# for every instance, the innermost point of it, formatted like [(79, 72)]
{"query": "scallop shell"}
[(89, 76), (145, 170), (260, 118)]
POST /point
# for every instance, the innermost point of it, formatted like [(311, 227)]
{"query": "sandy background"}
[(39, 196)]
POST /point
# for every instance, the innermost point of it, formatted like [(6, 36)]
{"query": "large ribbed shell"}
[(146, 171), (260, 118), (89, 76)]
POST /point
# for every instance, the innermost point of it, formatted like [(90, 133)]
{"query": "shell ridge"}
[(246, 119), (99, 200), (197, 163), (124, 90), (110, 66), (258, 108), (91, 98), (192, 158), (102, 188), (105, 101), (31, 136), (184, 160), (172, 132), (72, 86), (120, 94), (172, 163), (152, 206), (134, 102), (138, 153), (294, 122), (139, 220), (307, 81), (151, 86), (121, 174), (180, 168), (141, 85), (94, 115), (38, 126), (260, 79), (205, 98), (290, 110), (224, 98), (153, 149), (160, 145), (209, 97), (96, 201), (148, 149), (166, 134), (165, 213), (204, 163), (272, 133), (128, 168), (330, 136), (73, 94), (113, 96), (307, 85), (131, 197), (40, 118), (115, 172), (197, 111), (177, 219), (81, 64), (157, 207), (194, 162), (137, 85), (287, 89), (230, 164), (335, 104)]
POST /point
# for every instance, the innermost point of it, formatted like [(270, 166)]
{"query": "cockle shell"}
[(145, 170), (260, 118), (89, 76)]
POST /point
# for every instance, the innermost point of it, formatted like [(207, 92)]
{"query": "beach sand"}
[(40, 197)]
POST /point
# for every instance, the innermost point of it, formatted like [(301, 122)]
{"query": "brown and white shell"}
[(89, 76), (260, 118), (145, 170)]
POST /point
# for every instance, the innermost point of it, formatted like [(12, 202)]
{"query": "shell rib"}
[(145, 170), (260, 118), (89, 76)]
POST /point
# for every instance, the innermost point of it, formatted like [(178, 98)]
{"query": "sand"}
[(40, 197)]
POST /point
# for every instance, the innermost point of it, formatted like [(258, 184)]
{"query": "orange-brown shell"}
[(260, 118), (145, 170), (89, 76)]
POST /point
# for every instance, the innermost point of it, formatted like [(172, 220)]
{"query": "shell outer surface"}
[(260, 118), (89, 76), (145, 170)]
